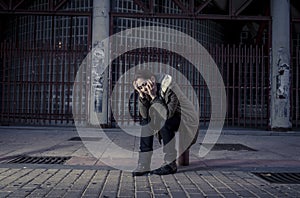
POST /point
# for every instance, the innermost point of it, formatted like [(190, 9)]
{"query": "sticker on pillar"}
[(283, 81), (98, 76), (283, 77)]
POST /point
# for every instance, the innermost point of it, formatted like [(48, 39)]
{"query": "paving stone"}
[(90, 196), (178, 194), (192, 190), (143, 194), (73, 194), (12, 176), (4, 193), (20, 192), (55, 178), (196, 195), (56, 193)]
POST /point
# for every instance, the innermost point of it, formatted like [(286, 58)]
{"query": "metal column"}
[(98, 109), (280, 118)]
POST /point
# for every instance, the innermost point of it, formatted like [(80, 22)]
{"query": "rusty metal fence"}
[(39, 89), (36, 84), (245, 70)]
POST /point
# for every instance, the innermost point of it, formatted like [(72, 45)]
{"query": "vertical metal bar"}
[(262, 83), (129, 91), (121, 90), (127, 88), (68, 81), (9, 99), (27, 86), (55, 84), (245, 83), (65, 49), (87, 88), (268, 70), (256, 58), (52, 55), (18, 85), (218, 55), (110, 71), (203, 90), (63, 65), (13, 69), (83, 85), (250, 58), (46, 65), (116, 105), (136, 61), (228, 61), (223, 59), (3, 54), (233, 84), (21, 58), (75, 95), (39, 90), (265, 85), (297, 103), (33, 67), (239, 84)]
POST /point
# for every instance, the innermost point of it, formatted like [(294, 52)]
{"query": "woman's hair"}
[(143, 73)]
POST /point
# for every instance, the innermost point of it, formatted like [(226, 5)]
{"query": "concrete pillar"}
[(98, 103), (280, 118)]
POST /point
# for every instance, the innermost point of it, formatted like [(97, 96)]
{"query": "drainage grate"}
[(84, 139), (280, 178), (38, 160), (229, 147)]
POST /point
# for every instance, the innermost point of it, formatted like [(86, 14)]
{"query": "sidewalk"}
[(227, 171)]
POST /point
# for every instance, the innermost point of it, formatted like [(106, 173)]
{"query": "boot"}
[(141, 170), (166, 169), (144, 162)]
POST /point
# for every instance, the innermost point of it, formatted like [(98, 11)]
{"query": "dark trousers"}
[(167, 133)]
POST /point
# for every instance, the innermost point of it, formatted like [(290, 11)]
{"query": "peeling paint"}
[(98, 56), (283, 77)]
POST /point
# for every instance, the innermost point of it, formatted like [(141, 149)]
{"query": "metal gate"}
[(38, 71), (244, 69), (244, 63)]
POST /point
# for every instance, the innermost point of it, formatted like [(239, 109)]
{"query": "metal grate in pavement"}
[(280, 178), (229, 147), (23, 159), (85, 139)]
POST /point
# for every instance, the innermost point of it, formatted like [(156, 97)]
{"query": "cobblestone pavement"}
[(71, 183), (222, 173)]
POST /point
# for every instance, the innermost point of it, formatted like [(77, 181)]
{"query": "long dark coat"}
[(171, 101)]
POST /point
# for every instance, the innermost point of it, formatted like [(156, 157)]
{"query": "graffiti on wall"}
[(98, 75), (283, 77)]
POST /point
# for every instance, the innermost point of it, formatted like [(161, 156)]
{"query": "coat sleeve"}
[(167, 106), (144, 104)]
